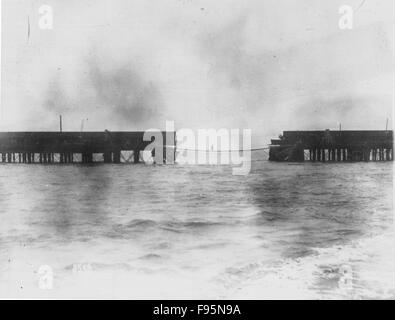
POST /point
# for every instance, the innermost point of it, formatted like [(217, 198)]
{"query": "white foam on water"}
[(362, 269)]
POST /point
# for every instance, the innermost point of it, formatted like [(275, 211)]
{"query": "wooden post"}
[(136, 156), (86, 157), (107, 157), (117, 156), (165, 155)]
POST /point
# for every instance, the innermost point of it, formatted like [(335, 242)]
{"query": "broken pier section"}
[(79, 147), (327, 145)]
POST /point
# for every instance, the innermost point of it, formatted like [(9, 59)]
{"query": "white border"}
[(1, 48)]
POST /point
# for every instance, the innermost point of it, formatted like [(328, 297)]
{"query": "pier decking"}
[(328, 145), (71, 147)]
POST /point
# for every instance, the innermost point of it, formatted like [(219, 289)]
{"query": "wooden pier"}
[(78, 147), (330, 146)]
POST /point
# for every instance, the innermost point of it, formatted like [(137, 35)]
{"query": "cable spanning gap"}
[(218, 151)]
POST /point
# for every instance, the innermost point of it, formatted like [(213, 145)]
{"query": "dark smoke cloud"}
[(125, 93), (112, 96)]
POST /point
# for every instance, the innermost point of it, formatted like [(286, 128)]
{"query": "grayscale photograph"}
[(197, 150)]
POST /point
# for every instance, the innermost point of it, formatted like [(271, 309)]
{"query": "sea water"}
[(308, 230)]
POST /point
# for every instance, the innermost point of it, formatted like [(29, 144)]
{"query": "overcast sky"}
[(268, 65)]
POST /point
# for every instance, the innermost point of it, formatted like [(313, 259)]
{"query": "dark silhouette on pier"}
[(327, 145), (70, 147)]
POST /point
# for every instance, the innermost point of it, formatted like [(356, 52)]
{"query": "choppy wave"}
[(362, 269), (284, 231)]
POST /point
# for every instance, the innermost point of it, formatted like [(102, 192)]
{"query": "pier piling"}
[(136, 156)]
